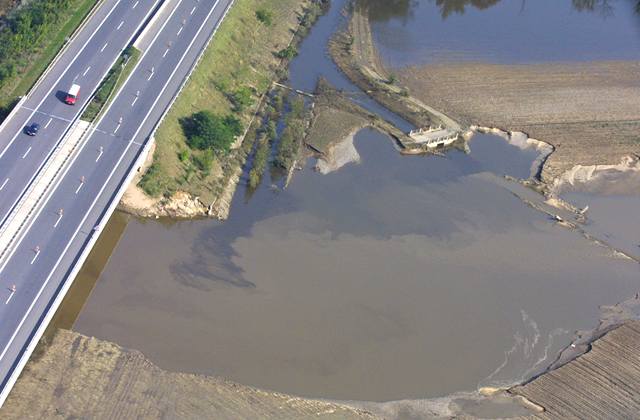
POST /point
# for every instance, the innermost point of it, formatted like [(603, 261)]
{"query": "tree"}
[(205, 130)]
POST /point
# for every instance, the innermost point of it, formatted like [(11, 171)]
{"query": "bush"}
[(203, 160), (265, 16), (241, 99), (205, 130), (183, 156), (287, 53)]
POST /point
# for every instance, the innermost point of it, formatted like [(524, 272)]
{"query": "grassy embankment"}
[(235, 71), (112, 82), (23, 62)]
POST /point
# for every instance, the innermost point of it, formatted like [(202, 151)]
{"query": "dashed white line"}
[(135, 4), (104, 46), (48, 122), (86, 71), (120, 26), (9, 298), (79, 187), (55, 225), (179, 30), (35, 257), (193, 10), (26, 153), (150, 76), (165, 53), (134, 101), (4, 183), (116, 130)]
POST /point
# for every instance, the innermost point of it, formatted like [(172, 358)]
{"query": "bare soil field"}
[(590, 112), (82, 377)]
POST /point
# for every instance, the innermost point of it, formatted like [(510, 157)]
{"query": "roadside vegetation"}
[(227, 89), (30, 37), (112, 82)]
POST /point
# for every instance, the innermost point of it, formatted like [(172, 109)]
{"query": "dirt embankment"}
[(589, 112), (82, 377)]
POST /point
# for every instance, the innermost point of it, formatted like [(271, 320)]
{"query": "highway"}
[(44, 261), (87, 60)]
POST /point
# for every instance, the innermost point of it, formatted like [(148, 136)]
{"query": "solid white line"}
[(86, 71), (180, 30), (64, 72), (134, 101), (165, 53), (10, 296), (193, 10), (120, 26), (104, 46), (44, 284), (48, 122), (26, 153), (4, 183), (35, 257), (134, 6)]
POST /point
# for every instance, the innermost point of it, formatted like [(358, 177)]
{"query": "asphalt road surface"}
[(44, 260), (87, 60)]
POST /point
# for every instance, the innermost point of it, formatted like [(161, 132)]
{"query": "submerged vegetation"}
[(292, 135)]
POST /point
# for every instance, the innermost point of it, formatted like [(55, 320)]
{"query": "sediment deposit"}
[(589, 112), (82, 377)]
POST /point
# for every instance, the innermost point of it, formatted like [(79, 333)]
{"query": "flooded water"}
[(397, 277), (505, 31)]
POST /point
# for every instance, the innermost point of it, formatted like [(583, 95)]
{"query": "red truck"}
[(72, 94)]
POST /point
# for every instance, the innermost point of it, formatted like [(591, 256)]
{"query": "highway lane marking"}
[(134, 6), (58, 220), (79, 187), (48, 122), (104, 46), (10, 296), (117, 128), (134, 101), (165, 53), (63, 74), (193, 10), (4, 183), (26, 153), (48, 115), (100, 152), (37, 251), (180, 30), (120, 26), (46, 282), (150, 76), (86, 71)]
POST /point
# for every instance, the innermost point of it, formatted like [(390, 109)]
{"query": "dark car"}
[(32, 129)]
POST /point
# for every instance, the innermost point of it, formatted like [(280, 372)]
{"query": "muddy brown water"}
[(397, 277)]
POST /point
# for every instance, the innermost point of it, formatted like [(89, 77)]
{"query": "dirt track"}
[(590, 112), (81, 377)]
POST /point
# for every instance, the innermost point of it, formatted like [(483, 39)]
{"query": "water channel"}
[(395, 277)]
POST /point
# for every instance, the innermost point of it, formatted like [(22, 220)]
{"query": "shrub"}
[(205, 130), (287, 53), (265, 16), (241, 99)]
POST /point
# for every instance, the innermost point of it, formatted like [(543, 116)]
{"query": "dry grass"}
[(589, 111)]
